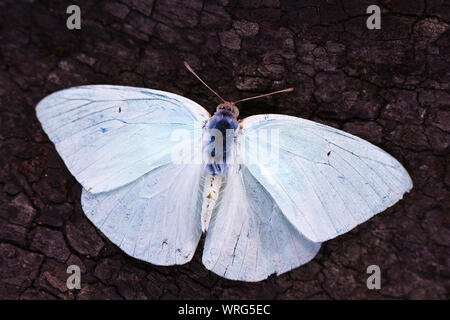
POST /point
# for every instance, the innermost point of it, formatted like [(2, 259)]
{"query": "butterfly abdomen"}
[(210, 195)]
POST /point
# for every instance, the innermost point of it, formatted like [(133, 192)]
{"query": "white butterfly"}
[(259, 219)]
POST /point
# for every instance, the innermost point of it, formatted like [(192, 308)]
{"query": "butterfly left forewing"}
[(109, 136)]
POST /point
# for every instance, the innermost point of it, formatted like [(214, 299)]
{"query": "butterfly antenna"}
[(193, 72), (265, 95)]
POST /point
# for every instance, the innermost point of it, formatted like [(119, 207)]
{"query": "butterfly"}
[(158, 171)]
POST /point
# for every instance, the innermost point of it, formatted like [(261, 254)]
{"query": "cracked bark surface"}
[(388, 86)]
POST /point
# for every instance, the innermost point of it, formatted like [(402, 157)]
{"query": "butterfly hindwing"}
[(325, 180), (155, 218), (249, 238)]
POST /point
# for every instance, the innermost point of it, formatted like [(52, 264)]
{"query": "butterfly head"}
[(228, 107)]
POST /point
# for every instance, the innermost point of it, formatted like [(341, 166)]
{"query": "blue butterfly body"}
[(224, 122)]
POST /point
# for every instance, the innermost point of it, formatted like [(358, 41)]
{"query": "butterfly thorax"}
[(218, 148), (219, 142)]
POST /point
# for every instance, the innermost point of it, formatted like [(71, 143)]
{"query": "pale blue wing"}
[(249, 238), (155, 218), (324, 180), (110, 135)]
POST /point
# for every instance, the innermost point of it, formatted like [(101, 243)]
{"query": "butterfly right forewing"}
[(324, 180)]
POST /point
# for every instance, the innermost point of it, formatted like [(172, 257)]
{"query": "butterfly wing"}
[(109, 136), (155, 218), (121, 144), (249, 238), (324, 180)]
